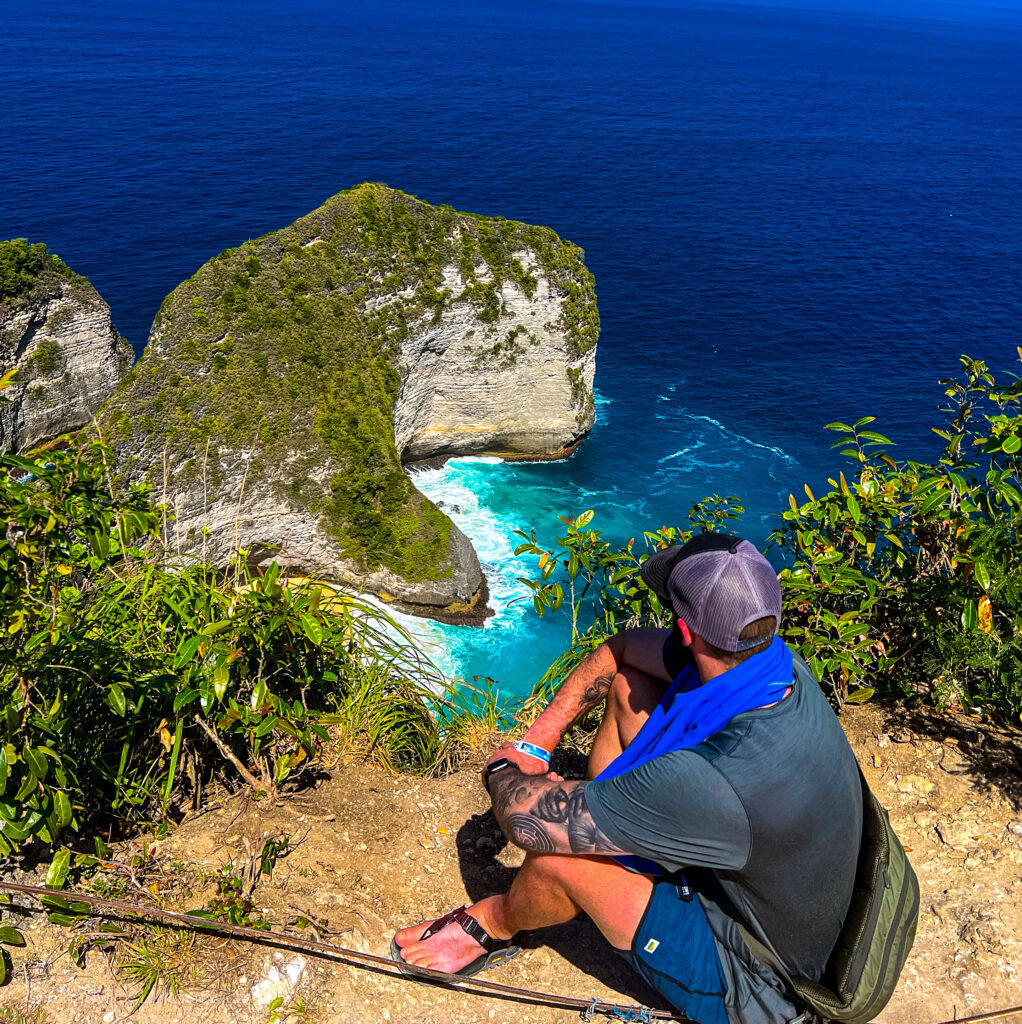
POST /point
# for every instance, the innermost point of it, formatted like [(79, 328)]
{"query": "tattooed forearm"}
[(544, 816), (584, 689), (511, 788), (595, 692)]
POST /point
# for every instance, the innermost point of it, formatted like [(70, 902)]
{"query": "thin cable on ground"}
[(297, 942), (586, 1007)]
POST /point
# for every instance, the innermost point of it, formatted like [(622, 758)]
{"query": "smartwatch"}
[(496, 766)]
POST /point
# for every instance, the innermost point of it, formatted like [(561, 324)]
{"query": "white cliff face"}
[(69, 359), (212, 524), (509, 388)]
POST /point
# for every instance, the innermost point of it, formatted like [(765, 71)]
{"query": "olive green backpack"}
[(874, 943)]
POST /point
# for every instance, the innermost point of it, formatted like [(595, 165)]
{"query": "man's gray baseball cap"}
[(717, 584)]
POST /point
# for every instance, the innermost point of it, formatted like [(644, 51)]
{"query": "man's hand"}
[(526, 763)]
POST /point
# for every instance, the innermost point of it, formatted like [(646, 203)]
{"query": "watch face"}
[(495, 767)]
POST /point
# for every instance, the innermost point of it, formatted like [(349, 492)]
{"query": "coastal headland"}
[(288, 380)]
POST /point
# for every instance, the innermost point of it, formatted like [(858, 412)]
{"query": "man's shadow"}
[(580, 942)]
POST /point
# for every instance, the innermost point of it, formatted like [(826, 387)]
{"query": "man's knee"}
[(618, 694), (634, 694)]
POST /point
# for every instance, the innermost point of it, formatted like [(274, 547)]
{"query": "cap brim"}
[(656, 570)]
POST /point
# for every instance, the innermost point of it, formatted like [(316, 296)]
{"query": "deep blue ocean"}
[(794, 214)]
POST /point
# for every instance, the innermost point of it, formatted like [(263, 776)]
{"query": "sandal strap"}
[(470, 926)]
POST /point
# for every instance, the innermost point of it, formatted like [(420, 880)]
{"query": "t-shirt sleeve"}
[(677, 810)]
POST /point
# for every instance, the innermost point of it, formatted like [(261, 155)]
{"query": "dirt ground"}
[(371, 851)]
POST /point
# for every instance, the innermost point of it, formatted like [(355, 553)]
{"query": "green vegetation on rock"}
[(27, 270), (287, 348), (46, 357)]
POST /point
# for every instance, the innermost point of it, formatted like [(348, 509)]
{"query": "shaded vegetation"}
[(288, 347)]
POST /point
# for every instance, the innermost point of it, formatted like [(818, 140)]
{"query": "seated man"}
[(728, 795)]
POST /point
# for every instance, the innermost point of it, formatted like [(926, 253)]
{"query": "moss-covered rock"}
[(55, 331), (264, 404)]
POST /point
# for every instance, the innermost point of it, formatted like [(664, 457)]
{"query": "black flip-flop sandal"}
[(497, 951)]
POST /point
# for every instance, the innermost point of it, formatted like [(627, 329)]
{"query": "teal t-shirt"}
[(770, 808)]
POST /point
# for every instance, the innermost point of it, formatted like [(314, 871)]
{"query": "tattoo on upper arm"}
[(530, 834), (559, 813)]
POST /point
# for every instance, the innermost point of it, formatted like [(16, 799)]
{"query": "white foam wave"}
[(740, 437), (460, 489), (427, 633), (682, 451)]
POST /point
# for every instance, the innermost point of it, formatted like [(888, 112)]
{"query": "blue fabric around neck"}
[(689, 713)]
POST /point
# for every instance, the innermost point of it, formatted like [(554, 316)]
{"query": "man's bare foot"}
[(451, 948)]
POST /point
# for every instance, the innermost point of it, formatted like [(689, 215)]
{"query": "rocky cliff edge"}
[(56, 332)]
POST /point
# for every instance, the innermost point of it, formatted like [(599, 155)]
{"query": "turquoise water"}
[(490, 499)]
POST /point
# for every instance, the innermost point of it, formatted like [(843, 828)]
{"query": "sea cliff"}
[(286, 382), (56, 332)]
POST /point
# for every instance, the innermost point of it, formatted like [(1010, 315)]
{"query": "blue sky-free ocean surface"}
[(795, 214)]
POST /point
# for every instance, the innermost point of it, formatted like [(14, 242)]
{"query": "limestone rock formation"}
[(514, 387), (285, 383), (56, 331)]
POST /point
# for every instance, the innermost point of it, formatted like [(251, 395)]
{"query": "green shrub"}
[(59, 319), (46, 357), (22, 265), (129, 680)]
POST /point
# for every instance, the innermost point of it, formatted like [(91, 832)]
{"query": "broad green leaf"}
[(57, 874), (584, 519), (186, 651), (11, 936), (115, 699), (982, 575), (853, 507), (62, 807), (212, 628), (58, 918), (861, 695), (184, 697), (266, 725), (1011, 444), (311, 627), (970, 615), (14, 831), (36, 762), (221, 677)]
